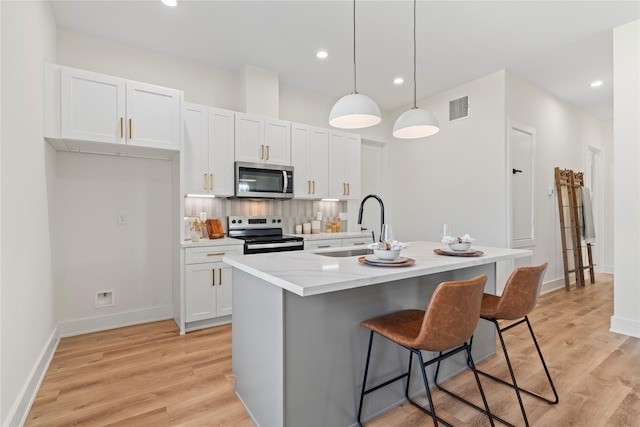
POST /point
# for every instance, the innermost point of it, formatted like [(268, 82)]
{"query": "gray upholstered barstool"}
[(445, 327), (519, 297)]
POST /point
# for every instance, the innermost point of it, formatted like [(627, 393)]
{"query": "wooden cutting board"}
[(214, 228)]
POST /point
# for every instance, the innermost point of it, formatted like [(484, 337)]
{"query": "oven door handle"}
[(274, 245), (286, 181)]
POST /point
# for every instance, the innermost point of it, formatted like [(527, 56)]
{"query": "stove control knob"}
[(239, 221), (279, 221), (233, 221), (273, 221)]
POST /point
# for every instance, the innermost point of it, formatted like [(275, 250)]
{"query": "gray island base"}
[(298, 348)]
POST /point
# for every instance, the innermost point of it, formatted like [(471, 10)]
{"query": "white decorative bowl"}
[(388, 255), (460, 247)]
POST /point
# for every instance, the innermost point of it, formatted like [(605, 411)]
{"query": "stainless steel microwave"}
[(261, 181)]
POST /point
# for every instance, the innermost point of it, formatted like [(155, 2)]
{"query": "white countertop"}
[(328, 236), (306, 273), (212, 242)]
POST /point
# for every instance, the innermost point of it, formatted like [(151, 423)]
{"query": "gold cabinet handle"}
[(314, 187), (219, 277), (121, 129), (130, 130), (308, 187), (213, 277), (358, 243), (210, 181), (262, 152), (323, 246), (267, 152), (205, 181), (216, 254), (348, 189)]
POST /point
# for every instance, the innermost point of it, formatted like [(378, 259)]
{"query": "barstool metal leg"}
[(364, 380)]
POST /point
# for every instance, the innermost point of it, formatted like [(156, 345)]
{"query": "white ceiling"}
[(561, 46)]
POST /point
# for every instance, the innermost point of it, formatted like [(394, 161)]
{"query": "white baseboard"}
[(20, 410), (552, 285), (630, 327), (112, 321)]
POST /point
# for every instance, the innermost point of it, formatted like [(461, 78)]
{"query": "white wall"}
[(456, 176), (95, 253), (626, 57), (28, 319), (563, 134)]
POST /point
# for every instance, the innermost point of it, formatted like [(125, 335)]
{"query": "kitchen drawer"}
[(357, 241), (204, 254), (322, 244)]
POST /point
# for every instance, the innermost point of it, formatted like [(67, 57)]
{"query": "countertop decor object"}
[(214, 228)]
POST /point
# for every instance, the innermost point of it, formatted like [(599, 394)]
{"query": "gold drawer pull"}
[(358, 243), (216, 254), (323, 246), (210, 181), (219, 277), (130, 130), (206, 184)]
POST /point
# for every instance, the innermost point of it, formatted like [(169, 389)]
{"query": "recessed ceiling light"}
[(597, 83), (170, 3), (322, 54), (398, 81)]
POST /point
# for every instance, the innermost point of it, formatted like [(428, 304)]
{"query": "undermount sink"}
[(346, 253)]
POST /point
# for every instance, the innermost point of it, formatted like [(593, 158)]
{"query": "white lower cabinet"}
[(208, 291)]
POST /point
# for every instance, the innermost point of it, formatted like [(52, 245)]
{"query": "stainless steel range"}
[(262, 234)]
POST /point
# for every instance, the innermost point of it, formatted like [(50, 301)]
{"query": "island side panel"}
[(325, 348), (257, 348)]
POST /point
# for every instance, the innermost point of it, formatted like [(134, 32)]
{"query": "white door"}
[(224, 289), (319, 162), (249, 146), (372, 178), (277, 141), (521, 148)]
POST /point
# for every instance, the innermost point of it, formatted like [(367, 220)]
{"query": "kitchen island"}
[(298, 349)]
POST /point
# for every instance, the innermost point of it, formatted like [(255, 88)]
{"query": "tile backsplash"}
[(293, 211)]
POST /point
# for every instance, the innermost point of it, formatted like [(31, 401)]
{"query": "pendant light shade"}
[(415, 123), (354, 111)]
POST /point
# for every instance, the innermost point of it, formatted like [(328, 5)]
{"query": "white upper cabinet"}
[(208, 150), (84, 108), (344, 165), (262, 140), (153, 116), (92, 106), (310, 160)]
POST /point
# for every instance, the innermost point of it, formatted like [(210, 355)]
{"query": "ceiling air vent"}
[(459, 108)]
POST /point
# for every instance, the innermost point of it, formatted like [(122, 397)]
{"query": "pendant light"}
[(354, 111), (416, 122)]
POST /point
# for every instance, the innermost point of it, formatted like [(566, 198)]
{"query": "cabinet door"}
[(352, 172), (92, 106), (337, 165), (277, 141), (249, 146), (319, 163), (153, 116), (300, 144), (200, 292), (196, 149), (221, 155), (322, 244), (224, 289)]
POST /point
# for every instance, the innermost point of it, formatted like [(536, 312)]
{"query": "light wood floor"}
[(148, 375)]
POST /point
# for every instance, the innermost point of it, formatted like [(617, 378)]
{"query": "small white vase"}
[(195, 236)]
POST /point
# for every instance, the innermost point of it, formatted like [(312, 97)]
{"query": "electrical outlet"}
[(122, 218), (104, 299), (319, 216)]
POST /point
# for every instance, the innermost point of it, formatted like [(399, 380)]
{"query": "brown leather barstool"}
[(445, 327), (519, 297)]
